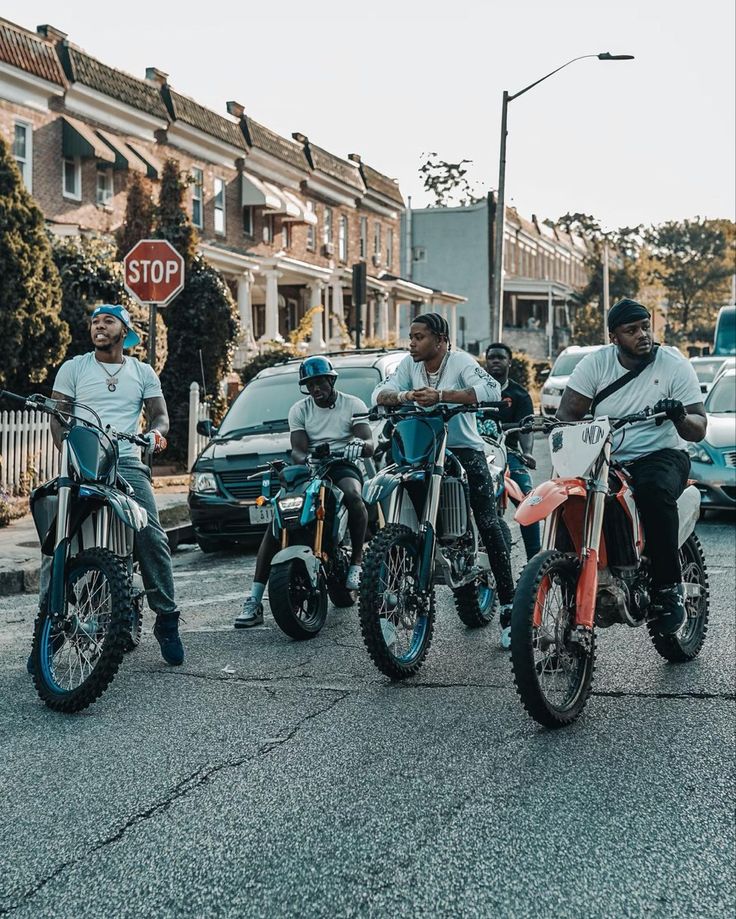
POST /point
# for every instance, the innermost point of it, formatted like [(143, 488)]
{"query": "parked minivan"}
[(560, 373), (256, 429)]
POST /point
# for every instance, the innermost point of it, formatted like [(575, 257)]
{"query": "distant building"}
[(452, 248), (282, 218)]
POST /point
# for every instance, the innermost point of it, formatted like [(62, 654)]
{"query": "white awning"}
[(125, 158), (303, 214), (256, 193)]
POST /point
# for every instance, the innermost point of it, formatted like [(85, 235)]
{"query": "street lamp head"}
[(607, 56)]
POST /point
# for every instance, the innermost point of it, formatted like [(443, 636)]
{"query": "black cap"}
[(626, 310)]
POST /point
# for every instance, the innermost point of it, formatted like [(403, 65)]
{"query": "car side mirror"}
[(544, 372), (206, 428)]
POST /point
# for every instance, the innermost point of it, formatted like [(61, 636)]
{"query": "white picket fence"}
[(27, 453), (28, 456)]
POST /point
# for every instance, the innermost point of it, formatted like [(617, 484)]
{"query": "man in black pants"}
[(654, 453)]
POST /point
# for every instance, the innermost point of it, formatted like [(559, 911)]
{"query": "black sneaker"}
[(668, 613), (166, 631)]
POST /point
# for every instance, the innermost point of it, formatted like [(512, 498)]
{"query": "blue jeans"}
[(531, 534), (151, 544)]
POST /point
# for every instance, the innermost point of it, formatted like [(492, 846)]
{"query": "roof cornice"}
[(204, 146), (82, 100), (270, 167), (26, 89)]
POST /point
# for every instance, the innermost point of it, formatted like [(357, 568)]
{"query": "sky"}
[(632, 142)]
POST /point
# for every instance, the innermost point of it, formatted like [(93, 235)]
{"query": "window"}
[(197, 197), (219, 202), (285, 235), (268, 228), (328, 226), (363, 250), (377, 239), (22, 151), (72, 178), (342, 239), (104, 186), (389, 247), (248, 220), (311, 230)]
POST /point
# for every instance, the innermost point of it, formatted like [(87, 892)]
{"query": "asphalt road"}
[(272, 778)]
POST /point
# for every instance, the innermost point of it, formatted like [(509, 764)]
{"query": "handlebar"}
[(442, 409)]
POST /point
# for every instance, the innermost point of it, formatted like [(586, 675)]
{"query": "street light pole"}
[(606, 295), (500, 217)]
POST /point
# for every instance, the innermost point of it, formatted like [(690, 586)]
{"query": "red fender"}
[(542, 500), (512, 489)]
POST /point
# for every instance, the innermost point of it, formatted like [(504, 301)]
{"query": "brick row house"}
[(282, 219)]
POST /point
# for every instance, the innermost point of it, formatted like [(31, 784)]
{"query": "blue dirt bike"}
[(86, 519), (309, 520), (430, 537)]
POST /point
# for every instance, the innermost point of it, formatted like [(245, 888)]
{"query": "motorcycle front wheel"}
[(396, 621), (686, 644), (553, 675), (477, 603), (299, 608), (76, 655)]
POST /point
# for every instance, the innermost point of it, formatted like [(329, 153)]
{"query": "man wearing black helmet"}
[(628, 375), (433, 373), (324, 419)]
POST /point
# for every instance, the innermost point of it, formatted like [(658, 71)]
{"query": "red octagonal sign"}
[(154, 271)]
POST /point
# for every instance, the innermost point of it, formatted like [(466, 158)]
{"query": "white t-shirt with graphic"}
[(84, 379), (669, 376), (333, 426)]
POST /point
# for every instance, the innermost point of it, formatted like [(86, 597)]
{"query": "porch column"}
[(338, 308), (397, 319), (245, 311), (550, 321), (382, 304), (316, 343), (272, 306), (453, 323)]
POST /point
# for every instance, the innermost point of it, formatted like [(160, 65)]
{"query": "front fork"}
[(57, 587), (428, 526), (587, 586)]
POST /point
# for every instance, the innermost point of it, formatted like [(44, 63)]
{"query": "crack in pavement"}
[(182, 789), (632, 694)]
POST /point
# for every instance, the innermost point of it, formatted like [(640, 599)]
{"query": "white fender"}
[(688, 511)]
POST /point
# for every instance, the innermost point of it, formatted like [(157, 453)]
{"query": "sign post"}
[(153, 274)]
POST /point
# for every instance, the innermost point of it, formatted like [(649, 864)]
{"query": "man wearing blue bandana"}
[(120, 388), (660, 378)]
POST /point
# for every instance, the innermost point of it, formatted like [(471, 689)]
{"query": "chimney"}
[(235, 109), (300, 138), (51, 33), (355, 157), (156, 76)]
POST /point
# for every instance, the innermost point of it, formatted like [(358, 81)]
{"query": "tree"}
[(694, 261), (139, 213), (448, 182), (33, 333), (588, 326), (202, 321), (91, 276)]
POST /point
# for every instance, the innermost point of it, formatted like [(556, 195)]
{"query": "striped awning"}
[(257, 193), (77, 139), (153, 163), (125, 158), (303, 214)]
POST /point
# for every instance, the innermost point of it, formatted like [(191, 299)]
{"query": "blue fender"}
[(303, 554), (125, 507), (381, 485)]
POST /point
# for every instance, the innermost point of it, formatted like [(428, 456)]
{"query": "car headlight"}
[(203, 483), (291, 504), (699, 454), (552, 391)]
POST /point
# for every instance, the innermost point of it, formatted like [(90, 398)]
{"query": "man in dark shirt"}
[(517, 404)]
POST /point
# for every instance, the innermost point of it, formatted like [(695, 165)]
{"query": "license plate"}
[(261, 514)]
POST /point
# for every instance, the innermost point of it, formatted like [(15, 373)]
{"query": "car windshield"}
[(722, 398), (265, 403), (706, 370), (566, 363)]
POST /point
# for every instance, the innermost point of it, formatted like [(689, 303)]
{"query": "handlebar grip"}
[(13, 397)]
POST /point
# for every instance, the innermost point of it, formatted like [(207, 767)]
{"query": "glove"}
[(675, 410), (353, 451), (157, 443)]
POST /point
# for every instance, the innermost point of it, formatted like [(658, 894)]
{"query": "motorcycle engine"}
[(623, 597)]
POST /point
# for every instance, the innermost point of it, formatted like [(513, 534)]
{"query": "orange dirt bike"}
[(591, 572)]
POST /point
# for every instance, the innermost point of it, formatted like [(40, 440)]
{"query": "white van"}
[(562, 368)]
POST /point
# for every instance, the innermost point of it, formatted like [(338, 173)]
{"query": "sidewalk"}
[(20, 552)]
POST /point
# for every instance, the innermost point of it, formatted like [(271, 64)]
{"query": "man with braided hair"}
[(432, 373)]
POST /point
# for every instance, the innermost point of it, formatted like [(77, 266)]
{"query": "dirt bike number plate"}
[(261, 514), (574, 449)]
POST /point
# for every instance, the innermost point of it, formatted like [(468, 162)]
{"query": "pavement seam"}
[(182, 789)]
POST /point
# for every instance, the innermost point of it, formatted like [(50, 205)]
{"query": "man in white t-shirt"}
[(322, 422), (654, 453), (120, 388)]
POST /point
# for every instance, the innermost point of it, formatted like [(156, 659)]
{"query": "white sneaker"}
[(352, 581)]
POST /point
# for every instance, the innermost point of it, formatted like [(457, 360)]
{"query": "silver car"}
[(706, 369), (714, 458), (560, 373)]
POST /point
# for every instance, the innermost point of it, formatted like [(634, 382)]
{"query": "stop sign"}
[(154, 271)]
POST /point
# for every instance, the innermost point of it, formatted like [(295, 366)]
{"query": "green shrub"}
[(268, 358)]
